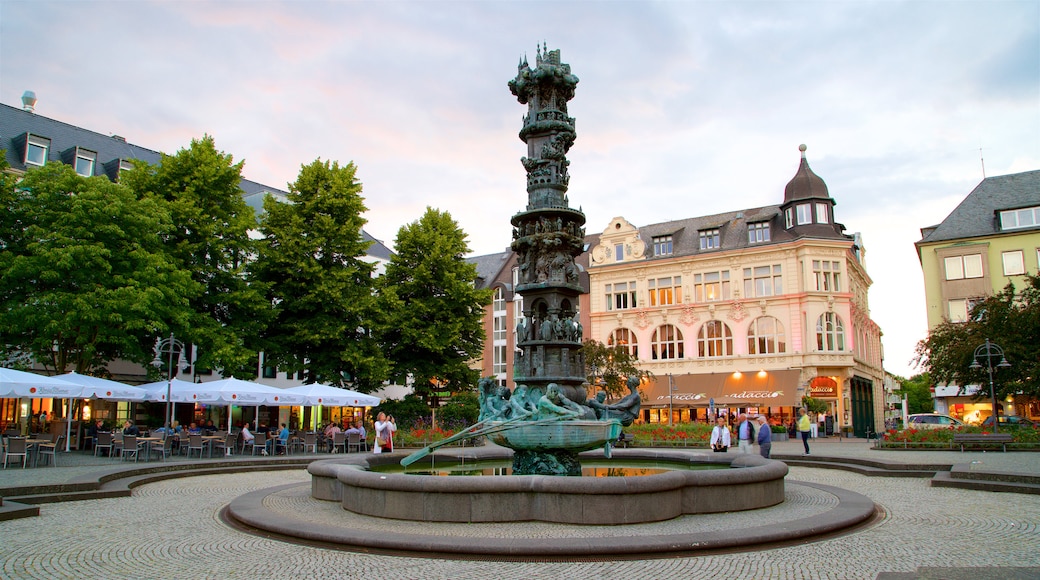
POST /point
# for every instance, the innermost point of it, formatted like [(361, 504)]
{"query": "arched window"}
[(830, 332), (715, 339), (765, 335), (666, 343), (626, 338)]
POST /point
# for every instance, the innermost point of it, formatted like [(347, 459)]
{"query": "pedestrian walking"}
[(745, 433), (804, 428), (765, 437)]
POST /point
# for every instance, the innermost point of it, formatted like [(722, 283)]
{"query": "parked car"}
[(932, 421), (1010, 421)]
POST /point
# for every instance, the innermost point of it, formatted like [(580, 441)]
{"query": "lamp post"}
[(168, 347), (988, 352), (671, 393)]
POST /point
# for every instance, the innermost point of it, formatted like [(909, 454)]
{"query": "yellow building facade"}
[(747, 310)]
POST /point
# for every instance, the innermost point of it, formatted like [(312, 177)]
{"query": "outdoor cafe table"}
[(32, 448), (209, 440), (148, 445)]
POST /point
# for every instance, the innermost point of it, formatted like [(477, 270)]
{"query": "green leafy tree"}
[(432, 324), (917, 390), (1009, 318), (612, 364), (312, 263), (461, 411), (815, 405), (85, 277), (410, 412), (211, 240)]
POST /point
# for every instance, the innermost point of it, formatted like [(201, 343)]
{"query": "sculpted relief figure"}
[(554, 405)]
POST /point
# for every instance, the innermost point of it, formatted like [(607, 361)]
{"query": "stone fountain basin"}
[(751, 482)]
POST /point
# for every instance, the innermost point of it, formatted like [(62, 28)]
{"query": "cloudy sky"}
[(683, 108)]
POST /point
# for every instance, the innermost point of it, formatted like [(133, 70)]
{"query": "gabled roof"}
[(978, 214), (733, 231), (489, 267), (15, 123)]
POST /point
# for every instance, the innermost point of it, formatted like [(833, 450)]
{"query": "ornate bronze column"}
[(548, 235)]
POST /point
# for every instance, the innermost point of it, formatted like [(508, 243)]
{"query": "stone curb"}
[(852, 509)]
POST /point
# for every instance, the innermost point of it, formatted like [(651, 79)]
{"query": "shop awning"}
[(777, 388)]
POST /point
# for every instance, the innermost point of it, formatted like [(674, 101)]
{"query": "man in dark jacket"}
[(765, 437), (745, 433)]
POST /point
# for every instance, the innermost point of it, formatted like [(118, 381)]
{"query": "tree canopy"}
[(1010, 319), (210, 239), (86, 278), (312, 264), (917, 390), (612, 364), (432, 314)]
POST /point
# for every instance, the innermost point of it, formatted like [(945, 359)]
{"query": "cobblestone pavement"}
[(172, 529)]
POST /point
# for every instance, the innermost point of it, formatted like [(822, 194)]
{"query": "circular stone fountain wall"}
[(751, 482)]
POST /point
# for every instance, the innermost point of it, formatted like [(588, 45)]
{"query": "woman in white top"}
[(720, 438), (385, 427)]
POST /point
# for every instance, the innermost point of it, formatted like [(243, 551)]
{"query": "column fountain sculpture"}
[(546, 420)]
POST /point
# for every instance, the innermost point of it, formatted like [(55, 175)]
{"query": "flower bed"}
[(1023, 437), (679, 435)]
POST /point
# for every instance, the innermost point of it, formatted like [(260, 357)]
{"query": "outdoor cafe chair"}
[(227, 445), (339, 440), (165, 449), (354, 441), (281, 445), (130, 446), (104, 441), (195, 444), (50, 449), (260, 444), (117, 444), (16, 447), (310, 440)]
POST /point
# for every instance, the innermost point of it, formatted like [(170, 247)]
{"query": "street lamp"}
[(988, 352), (671, 392), (168, 347)]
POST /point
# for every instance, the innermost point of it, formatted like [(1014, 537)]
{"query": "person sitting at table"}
[(247, 436), (193, 429), (92, 431), (283, 437), (209, 428), (330, 436), (130, 429)]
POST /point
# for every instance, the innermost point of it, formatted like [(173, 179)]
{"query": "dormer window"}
[(662, 245), (804, 211), (619, 252), (821, 213), (85, 161), (758, 232), (36, 149), (1020, 218), (709, 239)]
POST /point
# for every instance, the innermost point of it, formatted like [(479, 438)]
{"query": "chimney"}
[(29, 101)]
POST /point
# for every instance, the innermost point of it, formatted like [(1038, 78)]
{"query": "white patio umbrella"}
[(180, 391), (318, 394), (98, 388), (22, 384), (232, 391)]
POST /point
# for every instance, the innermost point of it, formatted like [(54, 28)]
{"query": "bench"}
[(980, 438), (625, 439)]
